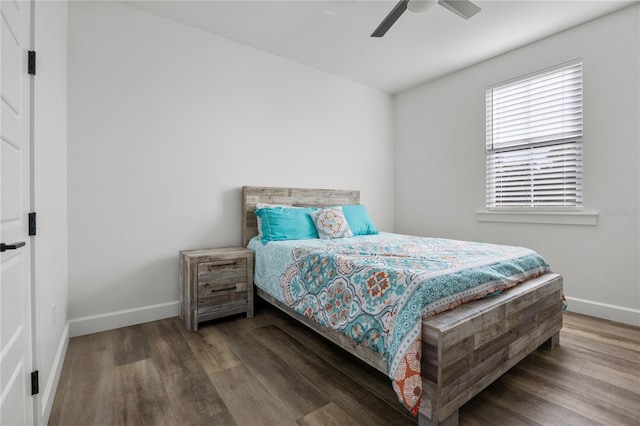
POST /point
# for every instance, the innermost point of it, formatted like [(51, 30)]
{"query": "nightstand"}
[(215, 283)]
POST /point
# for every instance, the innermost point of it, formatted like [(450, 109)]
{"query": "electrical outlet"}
[(53, 316)]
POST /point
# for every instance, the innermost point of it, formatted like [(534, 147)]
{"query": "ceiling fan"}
[(462, 8)]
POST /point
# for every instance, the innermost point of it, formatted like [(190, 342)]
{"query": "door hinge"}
[(35, 386), (31, 63), (32, 223)]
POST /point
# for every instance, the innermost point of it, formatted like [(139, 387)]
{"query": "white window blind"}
[(534, 140)]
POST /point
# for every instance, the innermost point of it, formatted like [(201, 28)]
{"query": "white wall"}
[(440, 172), (166, 124), (50, 198)]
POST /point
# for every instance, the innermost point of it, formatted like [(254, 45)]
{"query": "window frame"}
[(536, 151)]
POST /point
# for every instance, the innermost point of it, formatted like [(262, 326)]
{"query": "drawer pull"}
[(232, 287), (218, 264)]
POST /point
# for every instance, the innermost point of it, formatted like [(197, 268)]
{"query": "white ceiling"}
[(334, 36)]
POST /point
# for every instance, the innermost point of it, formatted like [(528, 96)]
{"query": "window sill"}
[(556, 218)]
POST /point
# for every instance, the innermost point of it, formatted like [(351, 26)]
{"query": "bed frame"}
[(464, 349)]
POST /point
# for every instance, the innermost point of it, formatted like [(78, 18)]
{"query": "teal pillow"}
[(283, 223), (358, 219)]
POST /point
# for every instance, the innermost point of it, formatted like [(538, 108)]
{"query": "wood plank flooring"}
[(270, 370)]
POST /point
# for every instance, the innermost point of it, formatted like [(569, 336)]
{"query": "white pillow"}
[(331, 223)]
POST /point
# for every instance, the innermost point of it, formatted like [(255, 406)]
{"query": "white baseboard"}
[(112, 320), (604, 310), (49, 393)]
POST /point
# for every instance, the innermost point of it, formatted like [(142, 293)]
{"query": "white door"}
[(16, 402)]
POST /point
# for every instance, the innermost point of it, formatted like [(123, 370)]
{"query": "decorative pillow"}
[(359, 220), (266, 206), (286, 223), (331, 223)]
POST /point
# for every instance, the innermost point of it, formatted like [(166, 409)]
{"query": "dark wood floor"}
[(269, 370)]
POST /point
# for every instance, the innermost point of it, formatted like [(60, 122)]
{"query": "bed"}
[(460, 350)]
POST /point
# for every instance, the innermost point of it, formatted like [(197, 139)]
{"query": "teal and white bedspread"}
[(377, 288)]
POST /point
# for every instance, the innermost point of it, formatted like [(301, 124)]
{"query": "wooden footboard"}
[(466, 349)]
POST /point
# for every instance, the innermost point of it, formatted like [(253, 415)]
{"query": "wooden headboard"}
[(297, 197)]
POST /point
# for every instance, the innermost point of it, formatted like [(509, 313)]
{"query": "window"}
[(534, 141)]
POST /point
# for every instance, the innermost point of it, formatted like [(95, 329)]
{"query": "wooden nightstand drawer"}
[(222, 274), (222, 266), (210, 290), (215, 283), (222, 300), (230, 294)]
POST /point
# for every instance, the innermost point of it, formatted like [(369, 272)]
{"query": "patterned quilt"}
[(377, 288)]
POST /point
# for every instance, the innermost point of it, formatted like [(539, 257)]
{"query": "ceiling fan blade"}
[(391, 18), (463, 8)]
